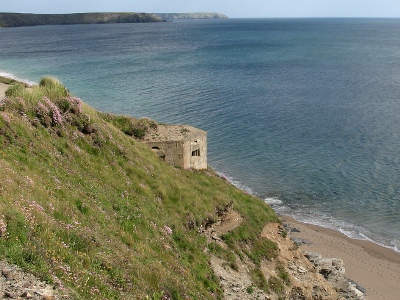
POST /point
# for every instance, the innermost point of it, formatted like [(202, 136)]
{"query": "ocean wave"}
[(273, 201), (236, 183), (12, 76), (309, 215)]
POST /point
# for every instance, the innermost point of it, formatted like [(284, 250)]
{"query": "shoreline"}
[(373, 267)]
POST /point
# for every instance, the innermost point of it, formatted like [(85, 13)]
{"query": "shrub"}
[(70, 104), (53, 87), (130, 126), (15, 90), (17, 105), (54, 111)]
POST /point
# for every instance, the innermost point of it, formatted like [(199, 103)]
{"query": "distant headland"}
[(20, 19), (185, 16), (24, 19)]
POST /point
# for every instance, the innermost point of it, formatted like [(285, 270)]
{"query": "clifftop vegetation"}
[(85, 206), (21, 19), (184, 16)]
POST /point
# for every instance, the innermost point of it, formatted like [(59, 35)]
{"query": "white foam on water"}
[(12, 76), (236, 183), (350, 230), (273, 201), (309, 215)]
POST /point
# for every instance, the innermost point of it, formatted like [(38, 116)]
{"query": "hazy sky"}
[(232, 8)]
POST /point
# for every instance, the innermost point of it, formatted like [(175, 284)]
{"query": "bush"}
[(53, 87), (15, 90), (130, 126)]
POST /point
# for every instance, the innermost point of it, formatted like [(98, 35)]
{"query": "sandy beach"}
[(3, 88), (375, 268)]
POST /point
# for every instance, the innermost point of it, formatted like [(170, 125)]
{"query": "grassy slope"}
[(89, 208), (7, 80)]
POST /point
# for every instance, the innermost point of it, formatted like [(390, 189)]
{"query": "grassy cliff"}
[(90, 209), (21, 19), (187, 16)]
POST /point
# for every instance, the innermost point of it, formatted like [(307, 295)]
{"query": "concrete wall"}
[(189, 153), (198, 152), (170, 151)]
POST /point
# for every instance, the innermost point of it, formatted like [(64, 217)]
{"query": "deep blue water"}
[(304, 113)]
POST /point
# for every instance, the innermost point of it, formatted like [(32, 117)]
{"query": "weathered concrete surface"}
[(182, 146)]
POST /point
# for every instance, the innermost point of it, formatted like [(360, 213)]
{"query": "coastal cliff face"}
[(190, 16), (288, 275), (21, 19), (88, 209)]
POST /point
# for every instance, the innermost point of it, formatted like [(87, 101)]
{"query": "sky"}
[(232, 8)]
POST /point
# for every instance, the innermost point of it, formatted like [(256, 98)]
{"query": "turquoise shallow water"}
[(304, 113)]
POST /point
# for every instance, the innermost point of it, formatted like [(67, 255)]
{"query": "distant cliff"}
[(20, 19), (184, 16)]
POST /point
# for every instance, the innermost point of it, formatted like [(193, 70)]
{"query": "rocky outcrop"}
[(17, 284), (307, 276), (333, 271), (236, 284)]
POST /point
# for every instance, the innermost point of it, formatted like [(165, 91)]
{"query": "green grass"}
[(7, 80), (259, 279), (224, 254), (89, 208)]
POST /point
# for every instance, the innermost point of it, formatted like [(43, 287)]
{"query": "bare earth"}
[(3, 88), (373, 267), (305, 283)]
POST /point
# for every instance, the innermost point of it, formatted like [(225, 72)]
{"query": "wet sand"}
[(375, 268)]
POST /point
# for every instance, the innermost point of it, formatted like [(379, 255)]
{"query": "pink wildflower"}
[(167, 230), (41, 110), (94, 290), (55, 113), (57, 281), (57, 119), (78, 103), (3, 228), (6, 117)]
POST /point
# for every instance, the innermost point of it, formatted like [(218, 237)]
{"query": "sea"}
[(303, 113)]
